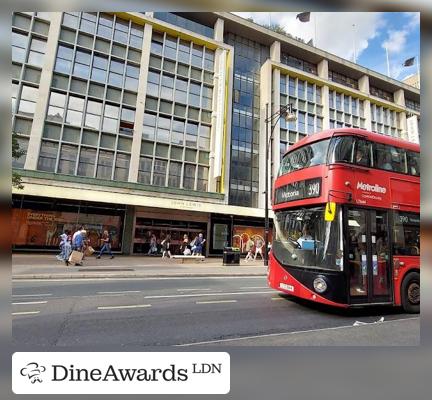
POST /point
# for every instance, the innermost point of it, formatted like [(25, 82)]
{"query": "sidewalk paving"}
[(46, 266)]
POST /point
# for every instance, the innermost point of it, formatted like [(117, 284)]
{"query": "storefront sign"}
[(188, 205), (298, 190)]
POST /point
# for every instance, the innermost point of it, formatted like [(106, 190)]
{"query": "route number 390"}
[(313, 189)]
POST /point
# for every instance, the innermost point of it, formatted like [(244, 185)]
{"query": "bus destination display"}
[(298, 190)]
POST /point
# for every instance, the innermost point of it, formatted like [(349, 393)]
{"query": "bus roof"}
[(373, 137)]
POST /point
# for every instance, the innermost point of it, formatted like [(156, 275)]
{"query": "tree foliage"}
[(17, 152)]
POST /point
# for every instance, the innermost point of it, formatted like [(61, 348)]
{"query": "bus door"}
[(369, 274)]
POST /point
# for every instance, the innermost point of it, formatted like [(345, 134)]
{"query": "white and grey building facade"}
[(153, 123)]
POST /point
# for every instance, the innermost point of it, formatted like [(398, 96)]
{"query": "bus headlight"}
[(320, 285)]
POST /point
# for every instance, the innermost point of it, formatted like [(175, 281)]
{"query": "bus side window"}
[(413, 161), (406, 233), (362, 153), (398, 160), (343, 149)]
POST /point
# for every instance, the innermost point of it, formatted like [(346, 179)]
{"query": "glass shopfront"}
[(37, 222), (150, 232)]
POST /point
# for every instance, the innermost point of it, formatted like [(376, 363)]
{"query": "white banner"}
[(121, 373)]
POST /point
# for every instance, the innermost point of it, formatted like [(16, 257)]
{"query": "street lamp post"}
[(287, 112)]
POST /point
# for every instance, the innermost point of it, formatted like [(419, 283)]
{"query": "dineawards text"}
[(112, 374)]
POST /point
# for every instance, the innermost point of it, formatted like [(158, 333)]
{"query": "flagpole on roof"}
[(315, 36), (418, 69), (388, 64)]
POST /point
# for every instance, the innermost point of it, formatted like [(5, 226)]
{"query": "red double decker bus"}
[(346, 222)]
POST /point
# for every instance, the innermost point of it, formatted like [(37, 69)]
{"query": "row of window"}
[(188, 24), (177, 89), (383, 115), (186, 52), (177, 131), (98, 68), (345, 103), (301, 89), (106, 26), (172, 174), (381, 93), (353, 150), (92, 114), (343, 79), (299, 63)]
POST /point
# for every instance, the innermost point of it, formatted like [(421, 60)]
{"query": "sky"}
[(357, 36)]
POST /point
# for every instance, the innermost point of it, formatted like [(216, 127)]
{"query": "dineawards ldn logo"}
[(121, 373), (33, 371)]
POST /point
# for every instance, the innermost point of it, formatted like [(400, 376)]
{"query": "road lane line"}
[(132, 306), (216, 302), (121, 291), (277, 298), (161, 278), (32, 295), (30, 302), (290, 333), (186, 290), (255, 287), (26, 313), (203, 294)]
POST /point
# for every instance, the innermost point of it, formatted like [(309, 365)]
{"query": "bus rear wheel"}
[(411, 293)]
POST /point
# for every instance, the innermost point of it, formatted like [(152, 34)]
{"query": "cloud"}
[(396, 41), (356, 29)]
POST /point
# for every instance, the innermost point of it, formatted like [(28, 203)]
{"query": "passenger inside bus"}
[(386, 163)]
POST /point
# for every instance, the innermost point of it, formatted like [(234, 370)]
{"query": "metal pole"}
[(354, 42), (388, 64), (266, 216)]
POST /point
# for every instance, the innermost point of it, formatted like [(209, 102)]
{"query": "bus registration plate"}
[(289, 288)]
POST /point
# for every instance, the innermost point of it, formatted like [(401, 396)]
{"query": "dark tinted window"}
[(413, 163), (306, 156), (406, 234)]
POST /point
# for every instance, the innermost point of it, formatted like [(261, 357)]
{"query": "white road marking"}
[(131, 306), (255, 287), (288, 333), (171, 296), (224, 277), (186, 290), (216, 302), (121, 292), (26, 313), (277, 298), (32, 295), (29, 302)]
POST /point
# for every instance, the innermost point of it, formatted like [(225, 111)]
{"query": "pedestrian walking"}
[(78, 241), (166, 246), (153, 246), (259, 244), (106, 245), (197, 247), (65, 246)]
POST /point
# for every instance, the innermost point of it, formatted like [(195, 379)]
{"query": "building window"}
[(144, 171), (70, 19), (136, 36), (19, 46), (47, 156), (82, 64), (127, 121), (56, 107), (86, 162), (174, 177), (122, 167), (121, 31), (64, 59), (170, 50), (132, 76), (343, 79), (202, 178), (105, 26), (37, 51), (27, 104), (75, 110), (382, 94), (115, 76), (149, 126), (159, 173), (189, 176), (67, 161), (93, 114), (99, 70), (110, 120), (88, 22)]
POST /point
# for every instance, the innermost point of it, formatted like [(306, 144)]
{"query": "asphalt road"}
[(192, 311)]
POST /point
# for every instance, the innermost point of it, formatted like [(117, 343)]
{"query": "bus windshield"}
[(306, 156), (302, 238)]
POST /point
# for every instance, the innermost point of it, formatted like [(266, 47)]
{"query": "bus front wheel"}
[(411, 293)]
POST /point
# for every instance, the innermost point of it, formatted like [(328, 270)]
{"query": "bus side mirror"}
[(330, 211)]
